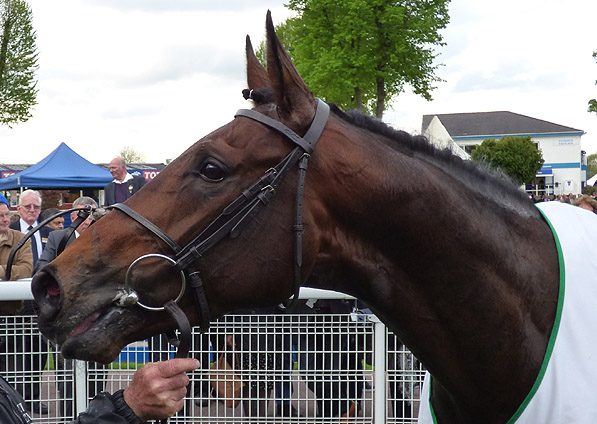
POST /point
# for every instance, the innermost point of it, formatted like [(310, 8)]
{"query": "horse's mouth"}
[(85, 324), (97, 333), (97, 337)]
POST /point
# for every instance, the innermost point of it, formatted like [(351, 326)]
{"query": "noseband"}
[(230, 222)]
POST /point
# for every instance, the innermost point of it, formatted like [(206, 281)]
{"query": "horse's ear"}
[(257, 76), (294, 99)]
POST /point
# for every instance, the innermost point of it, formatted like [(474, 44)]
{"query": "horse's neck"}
[(453, 274)]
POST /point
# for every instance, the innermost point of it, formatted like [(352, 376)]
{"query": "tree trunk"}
[(4, 46), (381, 97), (358, 101)]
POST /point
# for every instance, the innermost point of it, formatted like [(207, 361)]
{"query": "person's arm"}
[(22, 264), (159, 391), (156, 392), (107, 409)]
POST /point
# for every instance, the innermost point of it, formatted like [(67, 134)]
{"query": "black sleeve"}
[(108, 409)]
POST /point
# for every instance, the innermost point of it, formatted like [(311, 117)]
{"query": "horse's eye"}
[(212, 172)]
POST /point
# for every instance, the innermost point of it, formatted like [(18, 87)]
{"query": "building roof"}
[(14, 167), (131, 167), (482, 124)]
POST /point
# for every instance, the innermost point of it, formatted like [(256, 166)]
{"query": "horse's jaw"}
[(93, 330)]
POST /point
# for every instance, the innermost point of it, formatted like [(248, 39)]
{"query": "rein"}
[(82, 215)]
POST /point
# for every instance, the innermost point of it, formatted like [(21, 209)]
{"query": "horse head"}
[(251, 264)]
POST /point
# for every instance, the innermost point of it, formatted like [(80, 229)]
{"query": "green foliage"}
[(591, 165), (593, 102), (362, 53), (18, 62), (590, 190), (516, 156), (286, 34)]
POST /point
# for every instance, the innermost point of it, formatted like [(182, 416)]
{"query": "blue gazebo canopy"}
[(63, 168)]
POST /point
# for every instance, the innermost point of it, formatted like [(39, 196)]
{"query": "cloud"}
[(157, 75), (120, 112), (184, 61), (515, 76), (181, 5)]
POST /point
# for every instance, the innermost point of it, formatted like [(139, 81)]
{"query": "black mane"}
[(490, 180)]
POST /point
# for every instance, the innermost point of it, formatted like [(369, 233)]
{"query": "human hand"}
[(158, 388)]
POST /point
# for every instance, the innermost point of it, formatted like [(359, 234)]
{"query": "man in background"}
[(22, 264), (57, 223), (29, 209), (124, 184)]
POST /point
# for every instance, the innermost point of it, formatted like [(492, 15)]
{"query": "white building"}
[(565, 167)]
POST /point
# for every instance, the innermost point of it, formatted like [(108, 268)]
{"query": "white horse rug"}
[(565, 391)]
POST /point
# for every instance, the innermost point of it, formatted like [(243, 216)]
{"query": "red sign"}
[(8, 173), (149, 174)]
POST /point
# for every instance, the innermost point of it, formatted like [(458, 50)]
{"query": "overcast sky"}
[(157, 75)]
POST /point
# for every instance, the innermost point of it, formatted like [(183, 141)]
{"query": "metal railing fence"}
[(263, 368)]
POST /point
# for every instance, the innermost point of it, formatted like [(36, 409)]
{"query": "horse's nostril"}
[(52, 287), (46, 291)]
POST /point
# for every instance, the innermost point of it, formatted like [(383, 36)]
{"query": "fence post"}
[(379, 373), (80, 391)]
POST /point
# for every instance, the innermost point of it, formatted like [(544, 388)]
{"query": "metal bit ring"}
[(128, 289)]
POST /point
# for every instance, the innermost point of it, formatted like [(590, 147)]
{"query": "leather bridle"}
[(234, 216), (229, 223)]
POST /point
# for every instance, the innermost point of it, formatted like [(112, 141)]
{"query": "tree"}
[(18, 62), (362, 53), (593, 102), (286, 33), (518, 157), (591, 165), (129, 155)]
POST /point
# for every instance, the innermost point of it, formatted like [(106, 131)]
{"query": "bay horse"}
[(455, 259)]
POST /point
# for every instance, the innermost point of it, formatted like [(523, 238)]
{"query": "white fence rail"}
[(296, 368)]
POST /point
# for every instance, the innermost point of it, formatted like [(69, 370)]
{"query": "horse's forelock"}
[(260, 96)]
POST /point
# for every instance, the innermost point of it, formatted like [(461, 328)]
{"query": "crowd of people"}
[(157, 390), (585, 201)]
